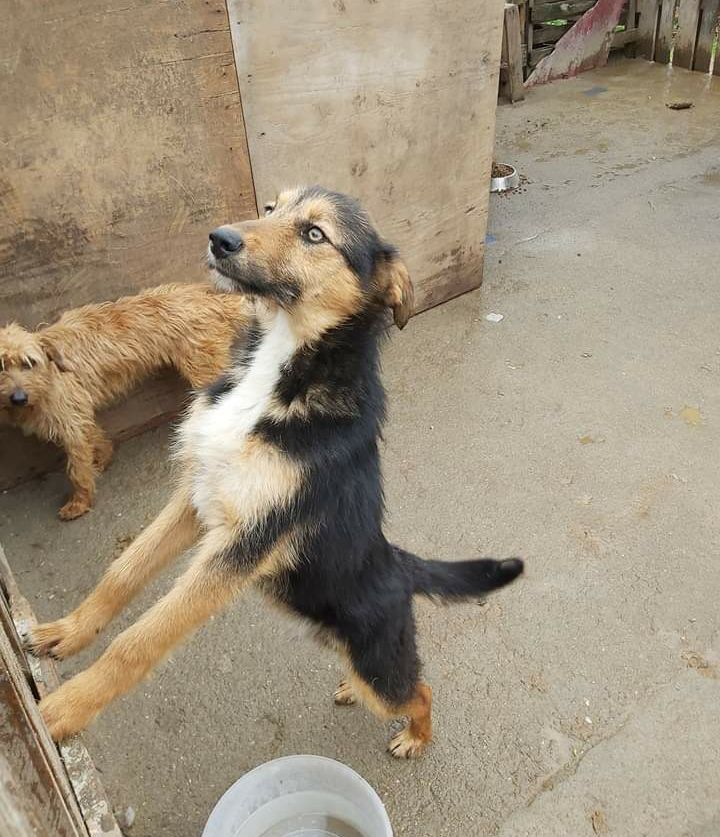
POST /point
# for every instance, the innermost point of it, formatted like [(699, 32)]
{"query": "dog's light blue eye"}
[(268, 208), (315, 234)]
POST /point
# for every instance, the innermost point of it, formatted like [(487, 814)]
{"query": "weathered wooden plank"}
[(75, 780), (709, 10), (524, 26), (543, 35), (30, 805), (397, 108), (560, 10), (664, 42), (529, 30), (631, 21), (647, 28), (33, 802), (631, 14), (512, 48), (686, 35), (621, 39), (122, 143), (538, 54)]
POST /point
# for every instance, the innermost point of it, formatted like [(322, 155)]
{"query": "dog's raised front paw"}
[(67, 710), (74, 508), (59, 639)]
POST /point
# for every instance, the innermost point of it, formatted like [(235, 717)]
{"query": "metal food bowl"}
[(503, 184)]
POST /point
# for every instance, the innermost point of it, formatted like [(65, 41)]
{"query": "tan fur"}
[(411, 741), (330, 292), (394, 285), (95, 354), (173, 531), (201, 591)]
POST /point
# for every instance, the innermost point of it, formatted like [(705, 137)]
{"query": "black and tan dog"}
[(280, 481)]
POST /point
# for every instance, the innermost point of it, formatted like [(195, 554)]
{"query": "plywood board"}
[(393, 101), (121, 144)]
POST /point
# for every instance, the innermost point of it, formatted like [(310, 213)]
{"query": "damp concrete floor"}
[(581, 432)]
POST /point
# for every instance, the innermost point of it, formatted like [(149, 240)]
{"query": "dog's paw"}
[(58, 639), (405, 745), (73, 509), (67, 710), (344, 694)]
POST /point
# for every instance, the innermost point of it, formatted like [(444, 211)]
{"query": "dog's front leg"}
[(80, 450), (173, 531), (209, 584)]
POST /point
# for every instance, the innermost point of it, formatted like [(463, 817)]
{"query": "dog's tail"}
[(458, 580)]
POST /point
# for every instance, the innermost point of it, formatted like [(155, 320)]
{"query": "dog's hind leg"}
[(386, 678), (173, 531), (412, 739), (344, 694), (417, 734), (208, 585)]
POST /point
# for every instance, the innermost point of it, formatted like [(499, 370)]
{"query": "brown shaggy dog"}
[(53, 380)]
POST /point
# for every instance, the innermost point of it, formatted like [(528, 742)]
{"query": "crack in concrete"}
[(567, 771)]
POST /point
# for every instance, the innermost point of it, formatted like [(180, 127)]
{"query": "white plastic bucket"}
[(299, 796)]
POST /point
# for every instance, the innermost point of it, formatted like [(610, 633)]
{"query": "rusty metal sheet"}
[(583, 47)]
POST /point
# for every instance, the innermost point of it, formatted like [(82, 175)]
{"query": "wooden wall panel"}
[(709, 12), (390, 100), (121, 144), (686, 35)]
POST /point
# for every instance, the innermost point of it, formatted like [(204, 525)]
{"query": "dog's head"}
[(316, 254), (26, 365)]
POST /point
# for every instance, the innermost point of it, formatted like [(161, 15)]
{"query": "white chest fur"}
[(213, 439)]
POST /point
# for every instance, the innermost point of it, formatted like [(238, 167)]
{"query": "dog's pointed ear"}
[(55, 355), (394, 285)]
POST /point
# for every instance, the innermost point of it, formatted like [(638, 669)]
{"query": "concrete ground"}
[(581, 432)]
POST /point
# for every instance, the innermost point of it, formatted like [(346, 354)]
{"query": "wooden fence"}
[(43, 793), (681, 32)]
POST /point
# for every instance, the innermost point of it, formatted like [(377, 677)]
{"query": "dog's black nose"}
[(18, 398), (224, 241)]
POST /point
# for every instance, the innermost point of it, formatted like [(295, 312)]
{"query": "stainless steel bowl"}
[(502, 184)]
